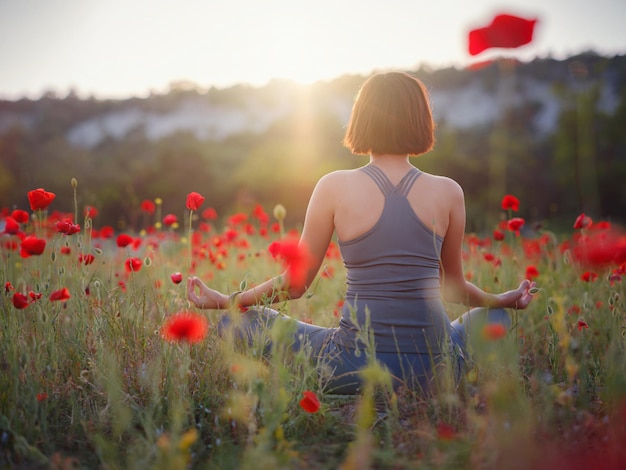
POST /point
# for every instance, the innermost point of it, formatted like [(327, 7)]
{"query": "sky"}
[(123, 48)]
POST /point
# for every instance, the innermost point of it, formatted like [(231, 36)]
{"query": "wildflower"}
[(11, 226), (41, 396), (34, 295), (494, 331), (194, 201), (185, 326), (505, 30), (169, 220), (148, 206), (297, 258), (260, 215), (510, 203), (589, 276), (310, 403), (498, 235), (532, 272), (177, 278), (106, 232), (91, 211), (582, 221), (61, 294), (86, 259), (19, 300), (67, 227), (582, 324), (133, 264), (515, 224), (209, 214), (20, 216), (445, 432), (31, 245), (39, 199), (8, 287), (123, 240)]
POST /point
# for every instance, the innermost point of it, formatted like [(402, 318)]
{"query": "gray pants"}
[(416, 371)]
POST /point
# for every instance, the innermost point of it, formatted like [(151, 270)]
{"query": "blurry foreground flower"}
[(185, 326), (505, 31), (32, 245), (20, 301), (296, 258), (61, 294), (494, 331), (39, 199), (310, 403), (133, 265)]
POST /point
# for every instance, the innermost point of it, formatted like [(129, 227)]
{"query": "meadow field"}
[(105, 364)]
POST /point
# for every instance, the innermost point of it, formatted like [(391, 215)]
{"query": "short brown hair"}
[(391, 114)]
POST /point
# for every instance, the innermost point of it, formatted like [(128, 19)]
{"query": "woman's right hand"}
[(205, 297)]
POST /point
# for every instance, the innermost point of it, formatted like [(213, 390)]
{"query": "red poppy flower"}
[(106, 232), (148, 206), (589, 276), (8, 287), (86, 259), (237, 219), (177, 278), (185, 326), (41, 396), (510, 202), (20, 300), (32, 245), (123, 240), (67, 227), (582, 324), (582, 221), (20, 216), (515, 224), (170, 219), (11, 226), (39, 199), (209, 214), (35, 295), (194, 201), (531, 272), (297, 259), (494, 331), (505, 31), (66, 250), (445, 432), (61, 294), (310, 403), (260, 215), (91, 211), (133, 264), (498, 235)]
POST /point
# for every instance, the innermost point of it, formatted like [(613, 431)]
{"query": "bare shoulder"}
[(444, 184), (337, 179)]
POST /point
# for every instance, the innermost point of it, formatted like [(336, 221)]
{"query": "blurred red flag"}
[(504, 31)]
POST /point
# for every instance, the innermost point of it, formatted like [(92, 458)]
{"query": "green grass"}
[(90, 382)]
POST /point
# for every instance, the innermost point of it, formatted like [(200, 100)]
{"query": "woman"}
[(400, 232)]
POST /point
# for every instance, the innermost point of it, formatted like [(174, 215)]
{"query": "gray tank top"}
[(393, 277)]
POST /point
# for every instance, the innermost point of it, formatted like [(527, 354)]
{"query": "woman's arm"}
[(455, 287), (316, 235)]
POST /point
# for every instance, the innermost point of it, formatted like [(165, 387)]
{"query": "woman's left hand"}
[(518, 298), (205, 297)]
